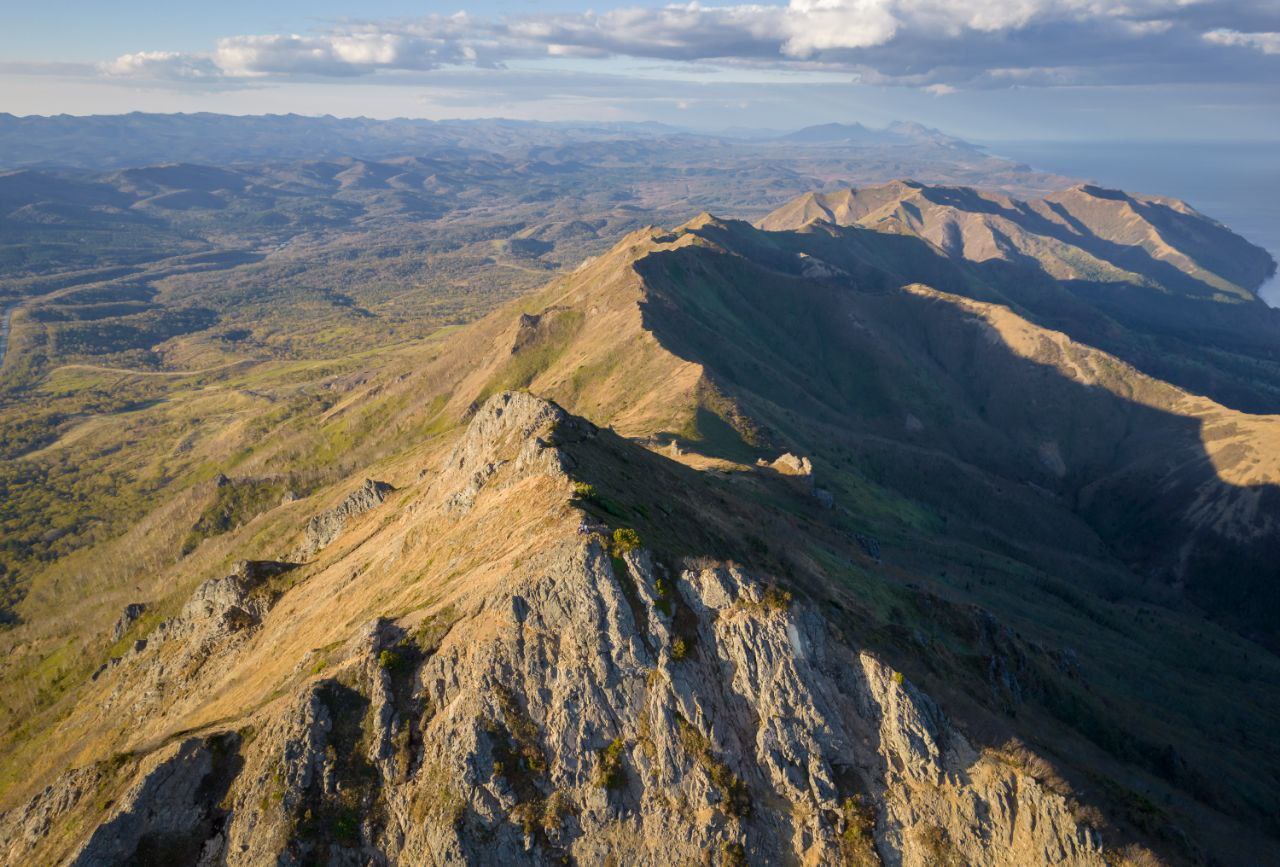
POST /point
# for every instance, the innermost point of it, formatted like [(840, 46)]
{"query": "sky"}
[(984, 69)]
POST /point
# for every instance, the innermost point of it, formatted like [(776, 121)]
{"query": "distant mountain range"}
[(898, 132), (118, 141)]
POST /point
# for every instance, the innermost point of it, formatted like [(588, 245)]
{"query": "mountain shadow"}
[(996, 426), (1149, 280)]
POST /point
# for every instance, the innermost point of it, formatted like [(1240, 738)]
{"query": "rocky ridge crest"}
[(601, 701)]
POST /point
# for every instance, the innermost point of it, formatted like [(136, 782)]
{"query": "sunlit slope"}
[(1084, 232)]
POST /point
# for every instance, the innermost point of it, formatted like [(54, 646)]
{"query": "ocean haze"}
[(1236, 183)]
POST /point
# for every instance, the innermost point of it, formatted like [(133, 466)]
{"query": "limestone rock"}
[(323, 528), (584, 708), (789, 465)]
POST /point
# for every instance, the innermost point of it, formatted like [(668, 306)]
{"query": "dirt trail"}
[(4, 331)]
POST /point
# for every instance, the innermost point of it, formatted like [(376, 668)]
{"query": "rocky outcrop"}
[(131, 613), (595, 705), (25, 829), (800, 469), (508, 419), (171, 814), (575, 728), (323, 528), (222, 606), (789, 465), (220, 616)]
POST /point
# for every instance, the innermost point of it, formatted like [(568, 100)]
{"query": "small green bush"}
[(608, 773), (346, 828), (679, 648), (389, 660), (625, 539), (584, 491), (662, 587), (857, 841), (776, 598)]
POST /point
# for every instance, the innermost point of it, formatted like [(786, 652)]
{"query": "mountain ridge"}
[(986, 506)]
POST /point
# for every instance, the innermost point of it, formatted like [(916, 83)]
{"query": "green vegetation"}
[(235, 502), (733, 855), (322, 818), (524, 732), (437, 799), (127, 392), (625, 540), (735, 799), (608, 773), (536, 348), (857, 840), (432, 630), (679, 648), (772, 599), (665, 595), (938, 847), (390, 660)]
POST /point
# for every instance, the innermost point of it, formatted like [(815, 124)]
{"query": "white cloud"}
[(933, 44), (816, 25), (160, 64), (1267, 43)]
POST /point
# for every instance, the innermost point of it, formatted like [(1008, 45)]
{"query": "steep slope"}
[(568, 695), (629, 626), (1181, 488), (1146, 278), (731, 342)]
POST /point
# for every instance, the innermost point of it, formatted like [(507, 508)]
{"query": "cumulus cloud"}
[(940, 45)]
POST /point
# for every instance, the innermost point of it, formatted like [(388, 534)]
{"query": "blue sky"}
[(987, 69)]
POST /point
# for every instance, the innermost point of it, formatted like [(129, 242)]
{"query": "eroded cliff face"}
[(597, 703)]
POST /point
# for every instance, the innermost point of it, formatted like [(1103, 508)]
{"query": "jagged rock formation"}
[(325, 527), (586, 705)]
